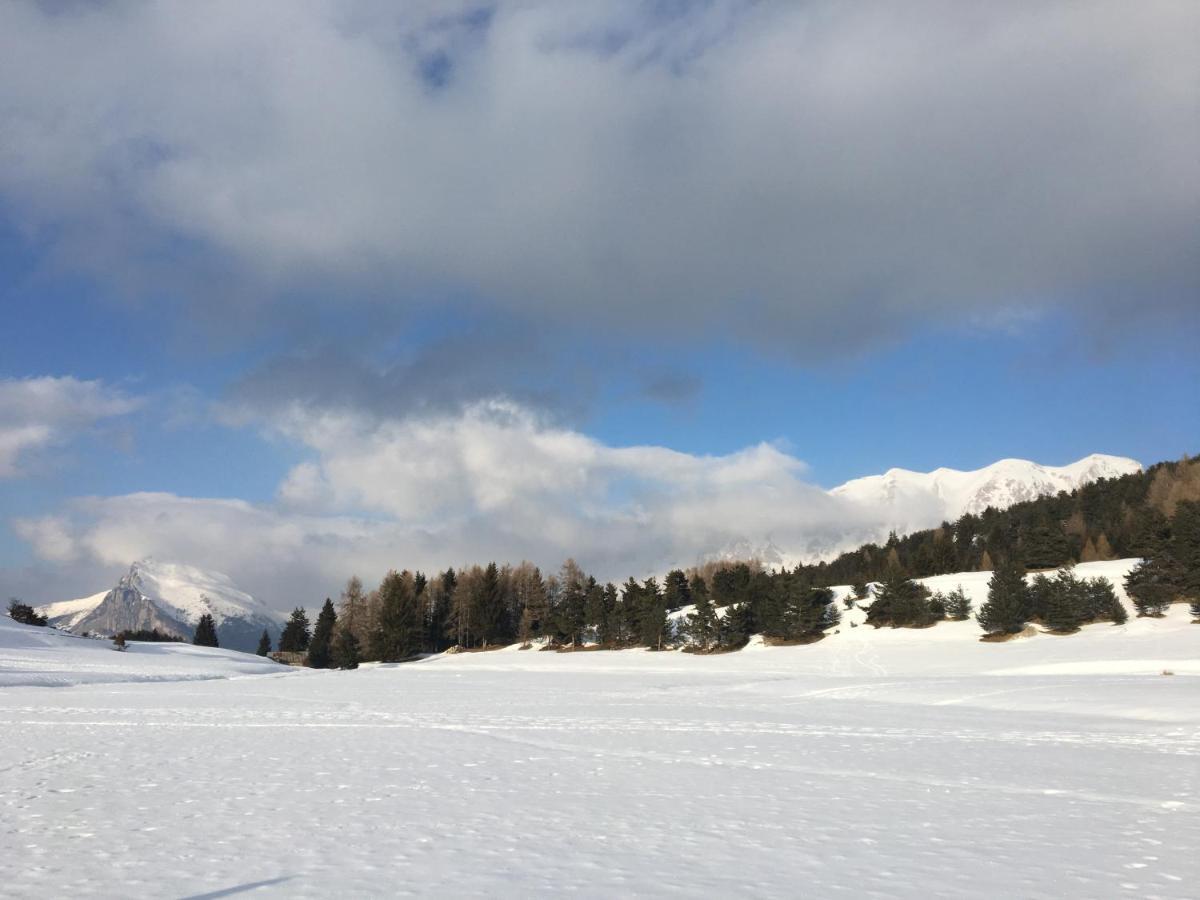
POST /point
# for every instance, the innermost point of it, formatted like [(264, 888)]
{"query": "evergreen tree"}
[(1102, 602), (264, 644), (899, 602), (1039, 596), (571, 612), (702, 624), (1184, 548), (677, 592), (398, 633), (320, 648), (1152, 585), (345, 648), (652, 618), (1067, 605), (488, 616), (1005, 609), (24, 613), (206, 632), (736, 626), (958, 605), (296, 633)]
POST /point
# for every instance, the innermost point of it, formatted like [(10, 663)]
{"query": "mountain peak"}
[(171, 597)]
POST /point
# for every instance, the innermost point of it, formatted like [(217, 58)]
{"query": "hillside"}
[(46, 657)]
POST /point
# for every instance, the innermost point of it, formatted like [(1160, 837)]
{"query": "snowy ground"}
[(873, 764)]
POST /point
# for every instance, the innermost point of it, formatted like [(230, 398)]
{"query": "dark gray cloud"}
[(816, 177), (440, 375)]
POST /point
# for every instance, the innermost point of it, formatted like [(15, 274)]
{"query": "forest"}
[(1154, 515)]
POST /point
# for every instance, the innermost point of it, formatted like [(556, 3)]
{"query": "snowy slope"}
[(46, 657), (66, 614), (913, 496), (882, 764), (171, 597)]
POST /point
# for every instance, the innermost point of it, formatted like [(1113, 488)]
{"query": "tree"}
[(206, 632), (1102, 602), (296, 634), (958, 605), (398, 633), (735, 628), (345, 648), (488, 615), (353, 609), (534, 603), (677, 591), (24, 613), (264, 644), (702, 624), (1151, 584), (320, 648), (900, 602), (1067, 606), (652, 617), (571, 609), (1005, 609)]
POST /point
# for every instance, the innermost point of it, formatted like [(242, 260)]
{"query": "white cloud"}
[(36, 413), (815, 175), (492, 481)]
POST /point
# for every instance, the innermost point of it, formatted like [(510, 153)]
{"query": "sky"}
[(294, 291)]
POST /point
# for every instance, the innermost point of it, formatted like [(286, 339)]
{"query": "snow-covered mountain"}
[(170, 597), (922, 499), (904, 501)]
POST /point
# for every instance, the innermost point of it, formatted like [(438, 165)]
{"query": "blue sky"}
[(397, 257)]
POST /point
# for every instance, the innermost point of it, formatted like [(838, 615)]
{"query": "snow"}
[(67, 613), (31, 656), (911, 495), (875, 763)]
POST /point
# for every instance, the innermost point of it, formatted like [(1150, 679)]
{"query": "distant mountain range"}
[(949, 493), (170, 597), (904, 501)]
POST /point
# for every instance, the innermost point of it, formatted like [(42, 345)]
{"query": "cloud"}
[(811, 176), (491, 481), (36, 413)]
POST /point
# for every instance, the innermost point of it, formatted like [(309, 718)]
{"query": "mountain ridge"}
[(170, 597)]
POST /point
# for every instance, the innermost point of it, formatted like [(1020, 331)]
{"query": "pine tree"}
[(1102, 602), (735, 627), (652, 618), (702, 624), (296, 633), (958, 605), (570, 613), (264, 644), (320, 648), (1039, 597), (488, 615), (398, 633), (1067, 603), (345, 648), (677, 592), (899, 602), (206, 632), (1184, 548), (1005, 609), (1151, 584)]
